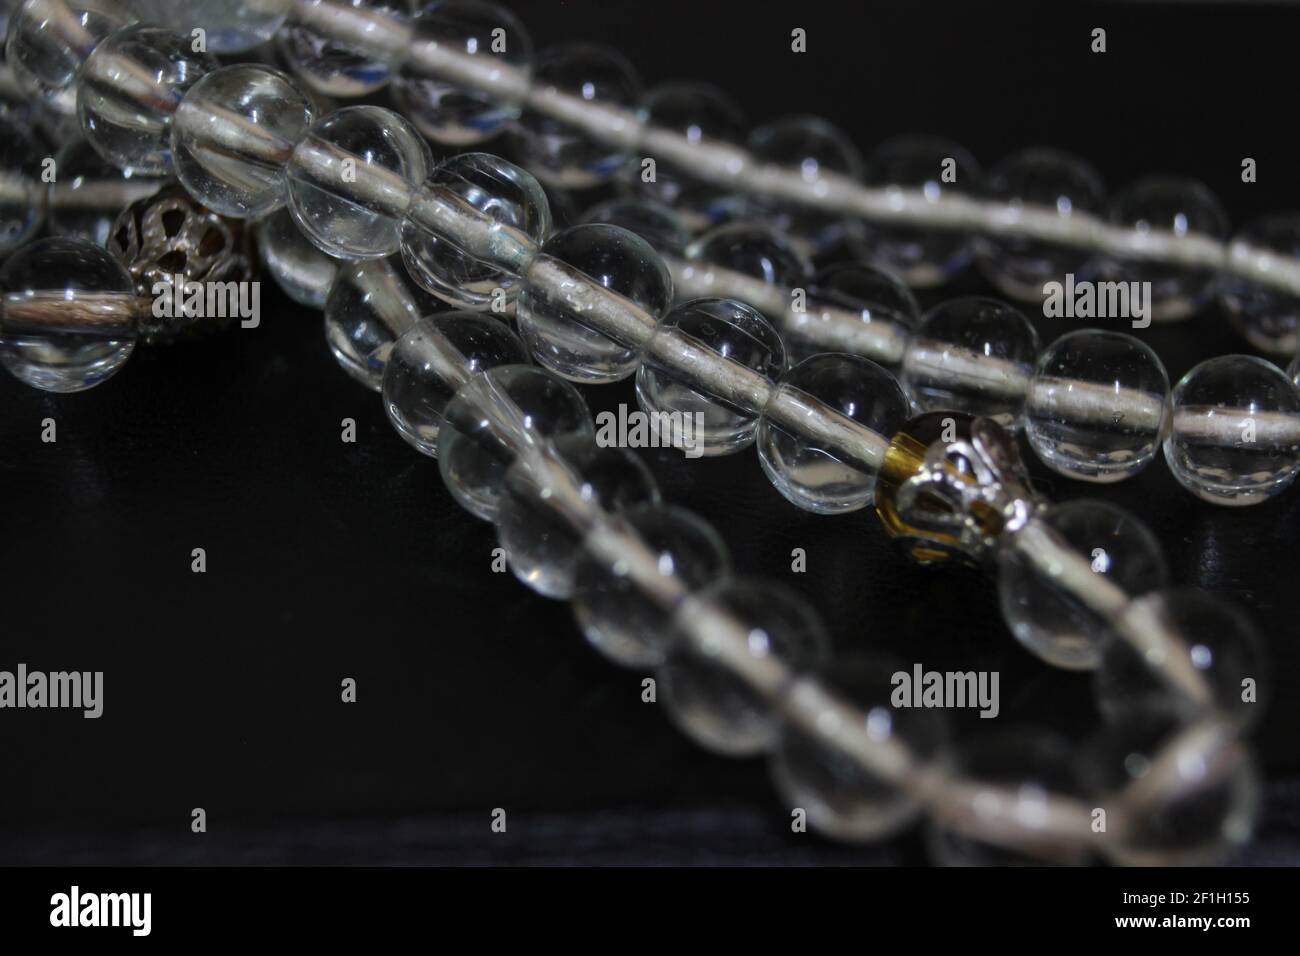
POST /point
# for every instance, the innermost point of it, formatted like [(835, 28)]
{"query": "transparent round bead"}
[(351, 209), (1042, 612), (1173, 797), (230, 26), (1014, 774), (552, 319), (57, 273), (971, 355), (369, 307), (542, 548), (1293, 371), (512, 203), (357, 65), (425, 365), (490, 416), (1182, 207), (813, 149), (445, 111), (1096, 408), (232, 135), (303, 272), (1268, 318), (739, 338), (842, 799), (715, 707), (45, 47), (22, 204), (559, 153), (1235, 438), (850, 304), (819, 473), (754, 252), (128, 91), (611, 596), (1043, 181), (705, 115), (654, 222), (88, 192), (918, 165), (1216, 663)]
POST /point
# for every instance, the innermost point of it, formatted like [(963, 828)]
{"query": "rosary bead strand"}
[(383, 207), (736, 170)]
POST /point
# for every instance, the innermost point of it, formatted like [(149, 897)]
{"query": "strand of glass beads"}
[(463, 252), (464, 71), (1094, 407), (1230, 442), (493, 426), (741, 664)]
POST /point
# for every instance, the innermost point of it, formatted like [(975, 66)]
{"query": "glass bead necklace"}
[(738, 660)]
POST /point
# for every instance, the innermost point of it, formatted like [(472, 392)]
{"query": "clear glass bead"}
[(814, 472), (499, 196), (552, 320), (654, 222), (1235, 438), (739, 338), (1216, 663), (302, 271), (1096, 408), (704, 115), (908, 166), (849, 303), (377, 34), (1045, 181), (1173, 797), (425, 368), (1268, 318), (232, 136), (812, 148), (714, 706), (447, 112), (369, 307), (971, 355), (57, 273), (1042, 613), (231, 26), (558, 153), (1293, 371), (128, 91), (753, 252), (844, 800), (1182, 207), (341, 188), (22, 204), (1013, 773), (45, 47), (88, 192), (488, 419), (542, 548), (616, 616)]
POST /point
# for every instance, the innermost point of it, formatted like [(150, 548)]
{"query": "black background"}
[(329, 560)]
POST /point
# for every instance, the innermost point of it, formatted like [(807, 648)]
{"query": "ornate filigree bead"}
[(951, 486), (169, 235)]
